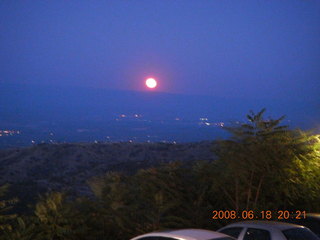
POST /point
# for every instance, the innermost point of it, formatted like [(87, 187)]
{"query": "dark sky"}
[(260, 49)]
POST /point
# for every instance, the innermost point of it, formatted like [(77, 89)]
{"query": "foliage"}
[(58, 219), (5, 206), (22, 230), (169, 196), (266, 166)]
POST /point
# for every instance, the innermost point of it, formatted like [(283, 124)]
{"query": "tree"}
[(57, 218), (113, 206), (164, 197), (5, 206), (149, 200), (266, 165), (22, 230)]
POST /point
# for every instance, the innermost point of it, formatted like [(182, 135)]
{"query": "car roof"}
[(264, 224), (313, 215), (190, 234)]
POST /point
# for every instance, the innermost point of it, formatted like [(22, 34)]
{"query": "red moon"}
[(151, 83)]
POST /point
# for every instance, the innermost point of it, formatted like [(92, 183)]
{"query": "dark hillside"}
[(69, 166)]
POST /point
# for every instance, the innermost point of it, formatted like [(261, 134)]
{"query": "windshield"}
[(300, 233), (224, 238)]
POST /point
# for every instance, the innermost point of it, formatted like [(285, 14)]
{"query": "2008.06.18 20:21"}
[(251, 215)]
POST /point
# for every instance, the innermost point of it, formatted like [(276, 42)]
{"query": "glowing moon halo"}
[(151, 83)]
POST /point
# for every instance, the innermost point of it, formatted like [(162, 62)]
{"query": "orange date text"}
[(257, 215)]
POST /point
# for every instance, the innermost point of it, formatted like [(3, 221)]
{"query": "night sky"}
[(260, 49)]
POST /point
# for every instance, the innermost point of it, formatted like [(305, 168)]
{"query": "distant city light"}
[(140, 133)]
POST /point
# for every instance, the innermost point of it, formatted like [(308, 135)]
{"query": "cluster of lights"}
[(121, 116), (134, 115), (43, 142), (205, 121), (219, 124), (4, 133)]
